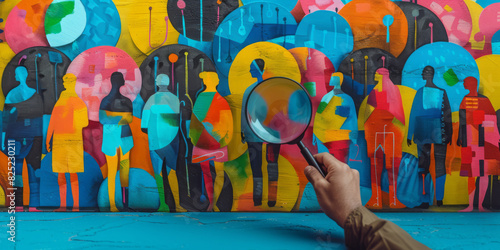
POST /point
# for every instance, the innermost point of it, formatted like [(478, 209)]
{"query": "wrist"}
[(348, 214)]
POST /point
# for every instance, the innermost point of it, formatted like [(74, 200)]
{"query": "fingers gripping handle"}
[(310, 158)]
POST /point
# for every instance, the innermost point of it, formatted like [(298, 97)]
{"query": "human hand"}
[(338, 193)]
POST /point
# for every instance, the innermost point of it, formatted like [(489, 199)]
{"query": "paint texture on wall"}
[(131, 105)]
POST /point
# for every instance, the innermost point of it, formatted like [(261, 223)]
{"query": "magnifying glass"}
[(279, 110)]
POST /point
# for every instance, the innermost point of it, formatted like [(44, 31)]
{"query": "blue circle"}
[(287, 4), (327, 32), (103, 28), (443, 57), (265, 25)]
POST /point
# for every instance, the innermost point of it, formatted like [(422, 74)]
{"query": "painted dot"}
[(173, 58), (181, 4)]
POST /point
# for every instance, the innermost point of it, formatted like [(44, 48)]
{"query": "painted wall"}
[(139, 105)]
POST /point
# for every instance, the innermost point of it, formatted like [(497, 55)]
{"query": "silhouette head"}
[(117, 79), (428, 73), (162, 81), (336, 80), (69, 81), (257, 68), (470, 83), (210, 79), (21, 74), (380, 74)]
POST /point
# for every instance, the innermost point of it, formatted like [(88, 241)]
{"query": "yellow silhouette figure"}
[(69, 117)]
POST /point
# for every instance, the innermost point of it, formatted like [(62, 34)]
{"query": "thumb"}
[(313, 175)]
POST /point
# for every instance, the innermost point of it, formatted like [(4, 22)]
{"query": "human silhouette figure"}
[(431, 124), (384, 120), (160, 120), (68, 118), (22, 124), (22, 92), (336, 120), (478, 136), (255, 147), (115, 114), (211, 131)]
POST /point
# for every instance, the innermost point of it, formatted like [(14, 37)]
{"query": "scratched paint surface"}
[(269, 231), (403, 91)]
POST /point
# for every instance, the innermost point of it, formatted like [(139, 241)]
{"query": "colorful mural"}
[(131, 105)]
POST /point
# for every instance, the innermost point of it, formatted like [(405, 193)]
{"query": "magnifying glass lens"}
[(279, 110)]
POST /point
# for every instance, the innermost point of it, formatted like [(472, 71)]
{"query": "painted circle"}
[(278, 62), (46, 66), (260, 23), (103, 28), (371, 31), (196, 22), (93, 69), (310, 6), (149, 25), (455, 16), (64, 22), (327, 32), (287, 4), (161, 62), (24, 27), (451, 63)]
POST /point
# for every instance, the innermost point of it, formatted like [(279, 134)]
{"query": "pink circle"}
[(93, 69), (24, 27), (489, 22), (310, 6), (181, 4), (455, 16)]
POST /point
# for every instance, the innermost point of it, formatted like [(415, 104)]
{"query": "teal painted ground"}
[(234, 230)]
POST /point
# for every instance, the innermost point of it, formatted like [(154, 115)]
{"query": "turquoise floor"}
[(234, 230)]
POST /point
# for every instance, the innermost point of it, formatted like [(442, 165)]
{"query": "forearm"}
[(364, 230)]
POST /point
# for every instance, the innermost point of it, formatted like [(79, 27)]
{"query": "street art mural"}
[(131, 105)]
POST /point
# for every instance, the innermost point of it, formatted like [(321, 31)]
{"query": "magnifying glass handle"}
[(310, 158)]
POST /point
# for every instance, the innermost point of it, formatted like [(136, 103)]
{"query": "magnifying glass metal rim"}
[(294, 141), (303, 149)]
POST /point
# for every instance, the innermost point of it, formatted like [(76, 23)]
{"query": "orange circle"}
[(173, 58), (366, 20)]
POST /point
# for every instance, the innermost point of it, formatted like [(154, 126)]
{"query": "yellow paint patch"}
[(455, 190), (138, 24), (218, 183), (174, 185), (235, 147), (278, 62), (327, 124), (489, 80), (407, 96), (2, 197), (364, 110), (448, 8), (475, 12)]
